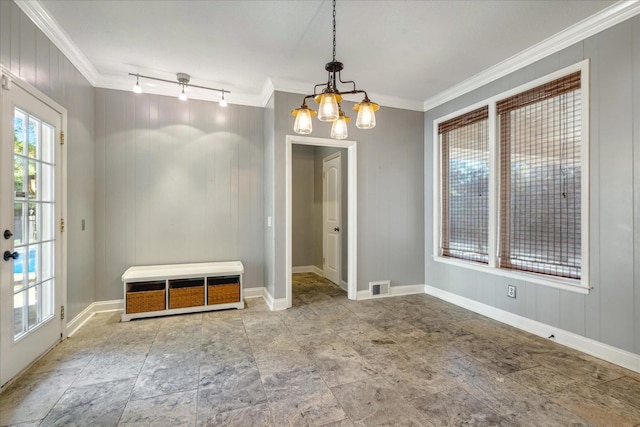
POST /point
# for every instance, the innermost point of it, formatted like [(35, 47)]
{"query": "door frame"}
[(9, 78), (352, 214), (336, 155)]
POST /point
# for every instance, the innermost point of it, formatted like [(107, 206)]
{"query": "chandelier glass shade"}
[(328, 97), (339, 128), (303, 124)]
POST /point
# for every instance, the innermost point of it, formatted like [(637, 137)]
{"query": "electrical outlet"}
[(511, 291)]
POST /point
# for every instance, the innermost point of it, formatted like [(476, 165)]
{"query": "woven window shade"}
[(465, 183), (540, 179)]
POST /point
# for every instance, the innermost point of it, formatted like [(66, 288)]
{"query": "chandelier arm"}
[(346, 82), (316, 87)]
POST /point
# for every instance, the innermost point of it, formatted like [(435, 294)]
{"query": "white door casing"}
[(32, 287), (352, 212), (331, 215)]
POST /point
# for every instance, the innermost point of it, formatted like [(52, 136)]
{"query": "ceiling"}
[(401, 52)]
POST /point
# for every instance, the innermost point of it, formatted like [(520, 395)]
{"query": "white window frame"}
[(575, 285)]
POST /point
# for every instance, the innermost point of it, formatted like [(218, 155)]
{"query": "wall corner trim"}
[(594, 348), (50, 27), (273, 303), (606, 18)]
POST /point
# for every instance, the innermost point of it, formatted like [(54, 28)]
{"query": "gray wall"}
[(268, 185), (27, 52), (304, 217), (611, 312), (390, 193), (176, 182)]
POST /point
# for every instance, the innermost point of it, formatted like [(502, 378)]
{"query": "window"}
[(540, 177), (511, 182), (464, 142)]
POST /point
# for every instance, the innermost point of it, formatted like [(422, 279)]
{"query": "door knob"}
[(336, 229), (8, 255), (7, 234)]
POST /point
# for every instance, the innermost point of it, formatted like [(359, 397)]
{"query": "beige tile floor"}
[(412, 360)]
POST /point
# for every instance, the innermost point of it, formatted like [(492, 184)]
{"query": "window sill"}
[(558, 283)]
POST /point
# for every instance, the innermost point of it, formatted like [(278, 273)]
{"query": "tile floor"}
[(402, 361)]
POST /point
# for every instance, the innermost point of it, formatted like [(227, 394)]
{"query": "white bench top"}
[(182, 271)]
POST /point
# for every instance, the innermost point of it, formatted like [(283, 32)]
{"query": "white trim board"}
[(97, 307), (594, 348), (273, 303), (394, 291), (606, 18), (253, 292), (306, 269), (50, 27), (352, 207)]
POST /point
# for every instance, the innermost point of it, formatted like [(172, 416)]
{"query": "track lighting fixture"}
[(137, 88), (182, 79), (329, 101)]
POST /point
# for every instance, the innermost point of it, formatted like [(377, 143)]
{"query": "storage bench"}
[(158, 290)]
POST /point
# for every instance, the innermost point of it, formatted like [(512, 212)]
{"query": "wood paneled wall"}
[(176, 182)]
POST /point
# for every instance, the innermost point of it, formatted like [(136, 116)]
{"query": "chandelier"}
[(329, 109)]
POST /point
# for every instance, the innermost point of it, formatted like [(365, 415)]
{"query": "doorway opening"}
[(350, 235)]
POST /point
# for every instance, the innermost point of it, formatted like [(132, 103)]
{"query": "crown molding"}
[(267, 91), (50, 27), (607, 18)]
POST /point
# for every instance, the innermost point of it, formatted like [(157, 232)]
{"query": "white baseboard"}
[(344, 285), (586, 345), (253, 292), (394, 291), (273, 303), (307, 269), (97, 307), (106, 306)]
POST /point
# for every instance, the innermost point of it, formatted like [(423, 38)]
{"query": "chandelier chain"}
[(334, 30)]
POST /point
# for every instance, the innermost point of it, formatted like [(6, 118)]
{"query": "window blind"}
[(465, 182), (540, 179)]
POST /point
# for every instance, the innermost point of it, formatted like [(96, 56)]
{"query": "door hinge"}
[(61, 137), (62, 225), (62, 312)]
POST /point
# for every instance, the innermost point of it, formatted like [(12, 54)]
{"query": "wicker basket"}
[(145, 297), (223, 293), (186, 293)]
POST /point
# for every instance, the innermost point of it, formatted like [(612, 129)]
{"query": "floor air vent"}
[(379, 289)]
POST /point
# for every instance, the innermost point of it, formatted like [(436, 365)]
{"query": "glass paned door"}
[(33, 238), (31, 275)]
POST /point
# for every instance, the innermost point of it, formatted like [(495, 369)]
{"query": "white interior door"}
[(331, 214), (30, 221)]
